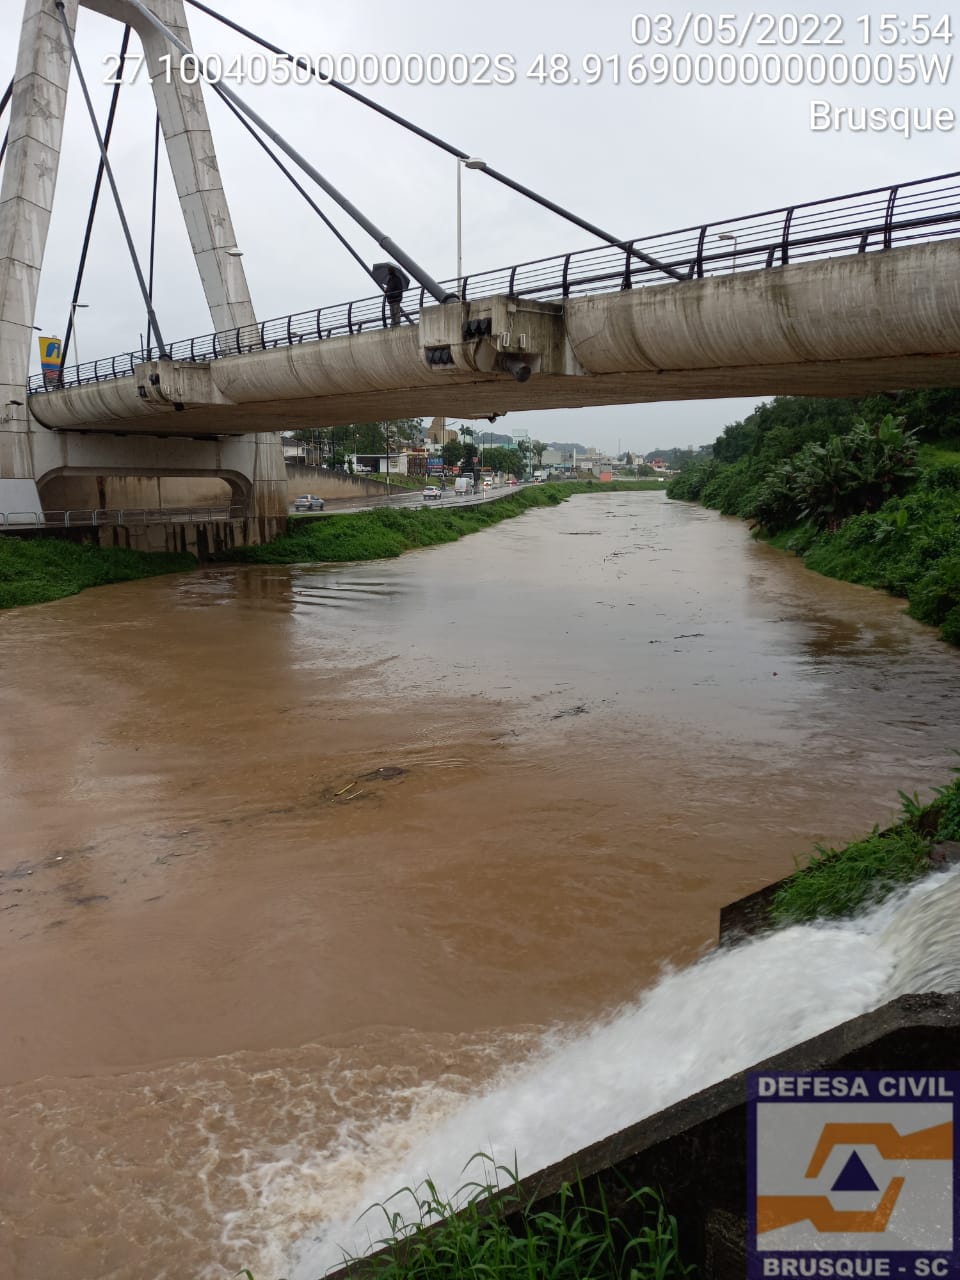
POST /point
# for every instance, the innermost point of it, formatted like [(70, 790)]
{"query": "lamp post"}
[(730, 235), (468, 162)]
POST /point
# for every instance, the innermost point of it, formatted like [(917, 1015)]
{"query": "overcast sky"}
[(635, 159)]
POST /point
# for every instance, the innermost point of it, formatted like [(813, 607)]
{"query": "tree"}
[(371, 437), (452, 453), (538, 449), (523, 448), (499, 458)]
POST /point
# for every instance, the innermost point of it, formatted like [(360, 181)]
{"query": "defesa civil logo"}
[(853, 1174)]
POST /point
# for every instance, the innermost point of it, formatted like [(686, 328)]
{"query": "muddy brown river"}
[(294, 859)]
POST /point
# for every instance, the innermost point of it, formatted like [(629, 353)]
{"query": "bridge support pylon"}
[(26, 199)]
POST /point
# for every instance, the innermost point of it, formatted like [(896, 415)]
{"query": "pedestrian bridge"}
[(842, 297)]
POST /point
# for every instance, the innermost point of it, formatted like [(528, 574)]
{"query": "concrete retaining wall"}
[(202, 538), (330, 484)]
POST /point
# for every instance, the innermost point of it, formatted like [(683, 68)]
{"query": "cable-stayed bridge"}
[(856, 294)]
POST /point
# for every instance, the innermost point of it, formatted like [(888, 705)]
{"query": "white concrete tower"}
[(28, 451)]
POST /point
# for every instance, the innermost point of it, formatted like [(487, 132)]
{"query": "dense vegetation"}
[(375, 535), (840, 882), (865, 490), (34, 570)]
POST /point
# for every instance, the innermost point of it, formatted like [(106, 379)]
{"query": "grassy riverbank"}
[(35, 570), (910, 547), (388, 532), (836, 883), (871, 499)]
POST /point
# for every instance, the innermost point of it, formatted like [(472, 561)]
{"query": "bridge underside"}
[(497, 396), (843, 326)]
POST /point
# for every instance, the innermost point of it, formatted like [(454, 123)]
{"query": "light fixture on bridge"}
[(234, 252), (7, 416), (466, 162), (730, 235)]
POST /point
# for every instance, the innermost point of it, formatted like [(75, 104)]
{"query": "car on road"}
[(308, 502), (432, 491), (488, 484)]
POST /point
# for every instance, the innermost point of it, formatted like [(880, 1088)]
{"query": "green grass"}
[(35, 570), (943, 453), (500, 1235), (838, 883), (385, 533)]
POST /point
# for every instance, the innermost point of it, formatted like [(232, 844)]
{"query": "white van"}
[(463, 485)]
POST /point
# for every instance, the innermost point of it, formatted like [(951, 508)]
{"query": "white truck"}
[(463, 485)]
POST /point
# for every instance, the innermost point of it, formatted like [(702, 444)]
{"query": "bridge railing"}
[(13, 521), (865, 221)]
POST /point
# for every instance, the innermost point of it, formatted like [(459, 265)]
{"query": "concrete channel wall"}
[(695, 1152)]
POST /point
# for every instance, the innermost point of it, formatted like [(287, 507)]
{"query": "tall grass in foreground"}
[(498, 1235)]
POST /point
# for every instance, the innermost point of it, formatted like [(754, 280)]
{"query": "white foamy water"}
[(694, 1028)]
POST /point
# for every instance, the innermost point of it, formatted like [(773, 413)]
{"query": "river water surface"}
[(296, 860)]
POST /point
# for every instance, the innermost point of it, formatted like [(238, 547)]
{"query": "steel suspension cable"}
[(153, 216), (296, 184), (94, 200), (7, 95), (110, 178), (439, 142), (303, 191), (382, 239)]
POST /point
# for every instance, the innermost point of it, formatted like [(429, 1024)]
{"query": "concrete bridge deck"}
[(839, 326)]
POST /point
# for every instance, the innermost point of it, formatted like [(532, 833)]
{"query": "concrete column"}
[(26, 198), (196, 174)]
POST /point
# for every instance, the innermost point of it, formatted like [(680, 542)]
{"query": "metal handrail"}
[(875, 220), (86, 517)]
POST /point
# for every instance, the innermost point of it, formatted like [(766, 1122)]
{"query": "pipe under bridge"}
[(850, 296)]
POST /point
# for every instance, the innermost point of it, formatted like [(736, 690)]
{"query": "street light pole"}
[(730, 235), (459, 230), (470, 162)]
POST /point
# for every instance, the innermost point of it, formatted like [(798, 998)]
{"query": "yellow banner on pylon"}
[(51, 354)]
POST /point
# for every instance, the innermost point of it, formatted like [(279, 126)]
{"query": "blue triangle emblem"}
[(854, 1176)]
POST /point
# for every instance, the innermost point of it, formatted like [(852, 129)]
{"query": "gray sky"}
[(635, 159)]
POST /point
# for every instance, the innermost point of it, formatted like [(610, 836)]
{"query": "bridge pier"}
[(29, 452)]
